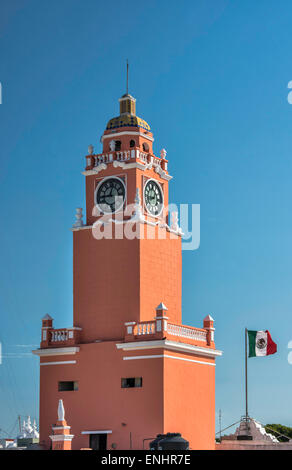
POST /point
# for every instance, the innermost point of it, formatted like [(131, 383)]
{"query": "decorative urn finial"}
[(61, 411), (79, 217), (163, 153)]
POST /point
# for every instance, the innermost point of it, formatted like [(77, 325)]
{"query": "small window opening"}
[(67, 386), (118, 145), (132, 382), (145, 147), (132, 143)]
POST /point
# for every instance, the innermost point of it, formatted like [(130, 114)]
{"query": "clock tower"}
[(122, 277), (128, 369)]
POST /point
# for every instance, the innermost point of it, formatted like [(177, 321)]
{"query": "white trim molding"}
[(116, 163), (56, 351), (109, 136), (156, 356), (56, 363), (62, 437), (172, 345), (84, 227), (127, 166), (107, 431), (61, 427)]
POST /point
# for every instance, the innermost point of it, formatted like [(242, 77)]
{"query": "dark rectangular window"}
[(131, 382), (67, 386)]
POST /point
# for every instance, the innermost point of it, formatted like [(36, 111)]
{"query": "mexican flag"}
[(260, 343)]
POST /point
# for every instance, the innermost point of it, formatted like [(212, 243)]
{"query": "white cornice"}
[(56, 351), (62, 437), (127, 97), (60, 427), (116, 164), (106, 431), (84, 227), (109, 136), (87, 227), (172, 345), (128, 166), (162, 356), (95, 170), (57, 363)]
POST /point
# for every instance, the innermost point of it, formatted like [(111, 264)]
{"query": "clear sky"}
[(210, 76)]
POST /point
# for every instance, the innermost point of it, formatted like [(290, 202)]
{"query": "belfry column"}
[(61, 438)]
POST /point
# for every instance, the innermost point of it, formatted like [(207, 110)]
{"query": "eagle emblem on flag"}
[(261, 343)]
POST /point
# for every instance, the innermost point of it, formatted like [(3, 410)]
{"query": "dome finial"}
[(127, 102)]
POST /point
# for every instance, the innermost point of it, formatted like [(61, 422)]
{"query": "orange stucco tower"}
[(127, 368)]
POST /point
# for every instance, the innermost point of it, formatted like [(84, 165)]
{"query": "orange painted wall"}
[(125, 139), (101, 403), (176, 396), (116, 281), (161, 272), (105, 284), (189, 400)]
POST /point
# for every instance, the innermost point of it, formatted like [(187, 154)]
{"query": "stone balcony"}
[(59, 337), (161, 328), (133, 155), (158, 328)]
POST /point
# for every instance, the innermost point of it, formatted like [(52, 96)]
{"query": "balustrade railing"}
[(59, 335), (145, 328), (103, 158), (187, 332), (171, 329), (143, 157), (54, 337), (122, 156)]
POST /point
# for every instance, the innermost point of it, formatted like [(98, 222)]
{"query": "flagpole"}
[(246, 400)]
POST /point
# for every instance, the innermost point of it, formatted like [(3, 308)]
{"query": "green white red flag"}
[(260, 343)]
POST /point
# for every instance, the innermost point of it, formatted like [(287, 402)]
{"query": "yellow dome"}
[(127, 120)]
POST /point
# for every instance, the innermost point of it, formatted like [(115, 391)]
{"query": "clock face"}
[(153, 197), (110, 195)]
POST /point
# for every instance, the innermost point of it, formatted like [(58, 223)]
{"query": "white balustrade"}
[(123, 156), (59, 335), (156, 162), (146, 328), (104, 158), (143, 157), (185, 332)]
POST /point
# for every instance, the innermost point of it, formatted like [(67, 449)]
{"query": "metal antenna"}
[(127, 76)]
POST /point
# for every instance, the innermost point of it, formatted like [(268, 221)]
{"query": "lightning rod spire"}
[(127, 76)]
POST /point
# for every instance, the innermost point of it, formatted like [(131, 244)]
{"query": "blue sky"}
[(210, 76)]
